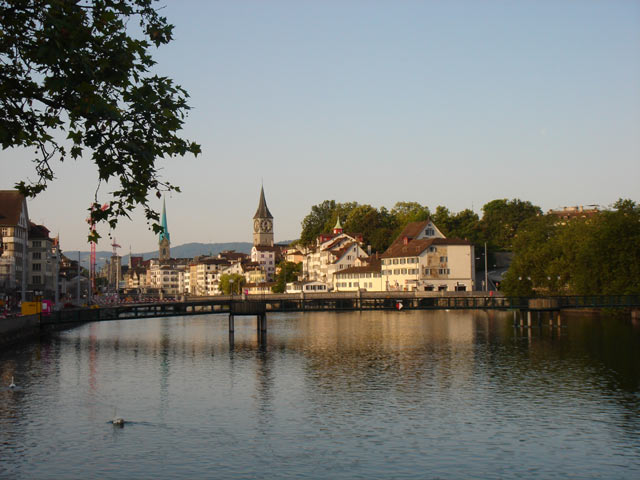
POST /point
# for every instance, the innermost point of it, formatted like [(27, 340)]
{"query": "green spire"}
[(165, 233)]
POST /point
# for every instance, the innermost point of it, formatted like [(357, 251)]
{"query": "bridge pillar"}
[(262, 322), (231, 324)]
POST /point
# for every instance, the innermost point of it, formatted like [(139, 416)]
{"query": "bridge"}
[(260, 305)]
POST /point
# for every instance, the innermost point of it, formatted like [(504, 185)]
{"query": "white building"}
[(331, 254), (422, 259)]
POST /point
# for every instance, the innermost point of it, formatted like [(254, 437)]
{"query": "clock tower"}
[(263, 224)]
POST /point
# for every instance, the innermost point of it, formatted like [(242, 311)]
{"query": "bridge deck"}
[(260, 305)]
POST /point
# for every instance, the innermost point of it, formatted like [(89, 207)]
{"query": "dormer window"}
[(405, 240)]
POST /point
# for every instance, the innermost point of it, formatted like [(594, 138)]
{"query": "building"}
[(164, 239), (365, 275), (263, 251), (571, 213), (422, 259), (332, 253), (42, 264), (14, 232)]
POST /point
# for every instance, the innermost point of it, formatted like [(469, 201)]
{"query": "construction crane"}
[(92, 259)]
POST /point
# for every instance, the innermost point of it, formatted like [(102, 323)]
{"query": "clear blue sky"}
[(444, 103)]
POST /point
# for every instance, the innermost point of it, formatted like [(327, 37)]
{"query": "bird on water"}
[(117, 421)]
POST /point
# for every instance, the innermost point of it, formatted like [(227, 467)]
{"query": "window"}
[(396, 271), (36, 255), (404, 271), (433, 249), (36, 267), (444, 259), (36, 280), (430, 232), (403, 261), (395, 261)]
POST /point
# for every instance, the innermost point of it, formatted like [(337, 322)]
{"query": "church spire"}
[(263, 210), (338, 228), (165, 233), (164, 241)]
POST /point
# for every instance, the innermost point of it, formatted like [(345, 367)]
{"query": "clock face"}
[(266, 225), (256, 225)]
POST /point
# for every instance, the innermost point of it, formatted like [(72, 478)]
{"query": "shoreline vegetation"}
[(594, 254)]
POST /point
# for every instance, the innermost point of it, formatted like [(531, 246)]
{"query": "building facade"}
[(422, 259), (14, 233)]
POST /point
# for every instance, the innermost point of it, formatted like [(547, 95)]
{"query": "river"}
[(412, 394)]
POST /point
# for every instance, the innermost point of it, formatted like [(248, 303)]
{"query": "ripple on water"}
[(375, 395)]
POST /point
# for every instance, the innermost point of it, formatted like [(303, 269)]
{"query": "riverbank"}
[(16, 329)]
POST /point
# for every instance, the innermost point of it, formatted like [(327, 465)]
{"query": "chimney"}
[(369, 250)]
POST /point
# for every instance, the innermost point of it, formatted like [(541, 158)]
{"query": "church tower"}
[(164, 243), (263, 224)]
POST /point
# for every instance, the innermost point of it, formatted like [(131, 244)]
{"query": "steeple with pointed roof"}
[(164, 241), (263, 210), (338, 228), (263, 223)]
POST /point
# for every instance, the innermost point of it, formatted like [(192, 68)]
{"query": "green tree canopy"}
[(73, 69), (501, 219), (584, 256), (289, 272), (231, 281)]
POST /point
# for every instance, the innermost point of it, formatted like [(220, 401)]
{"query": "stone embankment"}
[(15, 329)]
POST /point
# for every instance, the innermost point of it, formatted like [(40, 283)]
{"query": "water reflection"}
[(369, 394)]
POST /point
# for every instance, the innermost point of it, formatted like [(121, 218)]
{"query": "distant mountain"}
[(188, 250)]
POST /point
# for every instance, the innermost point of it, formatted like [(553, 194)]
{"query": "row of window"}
[(415, 271), (359, 275), (354, 284), (401, 271), (399, 261)]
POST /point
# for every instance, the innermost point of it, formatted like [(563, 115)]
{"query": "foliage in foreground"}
[(71, 69)]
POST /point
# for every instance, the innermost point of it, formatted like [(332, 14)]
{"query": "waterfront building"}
[(422, 259), (41, 264), (365, 275), (14, 231), (332, 253), (306, 287), (168, 276)]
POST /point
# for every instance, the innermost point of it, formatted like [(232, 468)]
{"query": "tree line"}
[(498, 226), (597, 255)]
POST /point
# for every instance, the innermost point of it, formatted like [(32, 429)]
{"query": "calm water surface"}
[(345, 395)]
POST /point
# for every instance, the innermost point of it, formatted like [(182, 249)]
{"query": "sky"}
[(452, 103)]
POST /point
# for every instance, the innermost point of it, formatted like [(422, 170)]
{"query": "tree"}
[(289, 272), (72, 68), (584, 256), (501, 219), (323, 218), (313, 224), (231, 283)]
